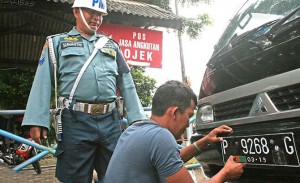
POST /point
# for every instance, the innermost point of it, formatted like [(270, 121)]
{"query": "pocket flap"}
[(72, 51)]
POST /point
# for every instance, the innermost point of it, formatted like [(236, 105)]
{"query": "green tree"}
[(15, 85), (145, 85), (190, 26)]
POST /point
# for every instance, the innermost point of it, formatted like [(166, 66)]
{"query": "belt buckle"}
[(97, 109)]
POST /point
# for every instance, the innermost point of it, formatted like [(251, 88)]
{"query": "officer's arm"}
[(134, 108), (37, 111)]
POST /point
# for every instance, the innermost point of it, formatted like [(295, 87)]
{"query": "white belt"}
[(95, 109)]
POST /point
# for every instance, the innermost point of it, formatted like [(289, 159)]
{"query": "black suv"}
[(252, 84)]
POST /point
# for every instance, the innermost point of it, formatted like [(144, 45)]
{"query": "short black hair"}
[(172, 93)]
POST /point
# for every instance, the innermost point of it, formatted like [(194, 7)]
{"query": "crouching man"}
[(147, 151)]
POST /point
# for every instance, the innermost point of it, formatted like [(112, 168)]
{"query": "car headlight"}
[(205, 113)]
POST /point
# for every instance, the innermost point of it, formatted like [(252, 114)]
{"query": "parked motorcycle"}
[(14, 153)]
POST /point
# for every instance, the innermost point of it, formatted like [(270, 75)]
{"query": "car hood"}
[(255, 45)]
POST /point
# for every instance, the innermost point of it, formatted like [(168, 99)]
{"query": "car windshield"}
[(255, 13)]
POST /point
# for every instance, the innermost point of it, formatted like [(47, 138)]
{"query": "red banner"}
[(142, 47)]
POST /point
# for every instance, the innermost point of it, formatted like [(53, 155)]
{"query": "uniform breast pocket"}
[(71, 59), (72, 52), (109, 62)]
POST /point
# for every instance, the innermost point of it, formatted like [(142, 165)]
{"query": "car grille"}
[(237, 108), (286, 98)]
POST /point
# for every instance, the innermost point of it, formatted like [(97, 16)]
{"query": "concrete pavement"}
[(28, 175)]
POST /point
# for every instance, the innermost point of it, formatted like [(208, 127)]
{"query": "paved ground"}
[(28, 175)]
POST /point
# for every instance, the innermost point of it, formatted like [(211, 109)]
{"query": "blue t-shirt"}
[(145, 153)]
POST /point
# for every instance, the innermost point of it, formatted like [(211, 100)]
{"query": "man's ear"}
[(172, 112), (75, 12)]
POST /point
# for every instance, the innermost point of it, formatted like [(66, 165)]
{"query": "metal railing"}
[(45, 150)]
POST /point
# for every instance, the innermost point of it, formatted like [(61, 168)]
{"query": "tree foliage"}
[(145, 85), (194, 26), (190, 26), (15, 85)]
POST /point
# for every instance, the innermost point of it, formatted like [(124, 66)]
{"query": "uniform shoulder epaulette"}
[(54, 35), (114, 41), (110, 39)]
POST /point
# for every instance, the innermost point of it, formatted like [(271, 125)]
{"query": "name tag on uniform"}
[(71, 42)]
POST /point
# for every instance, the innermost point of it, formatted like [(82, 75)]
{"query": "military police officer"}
[(87, 94)]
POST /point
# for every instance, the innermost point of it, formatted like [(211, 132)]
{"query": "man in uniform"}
[(90, 119)]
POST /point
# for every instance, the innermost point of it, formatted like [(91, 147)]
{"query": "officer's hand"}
[(36, 132)]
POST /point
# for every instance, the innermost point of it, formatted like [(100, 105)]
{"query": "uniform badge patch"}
[(42, 58), (73, 39), (70, 38), (109, 52)]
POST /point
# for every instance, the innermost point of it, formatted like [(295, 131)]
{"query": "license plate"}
[(268, 149)]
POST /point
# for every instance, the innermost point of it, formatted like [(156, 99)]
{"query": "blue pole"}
[(192, 166), (192, 119), (31, 160), (25, 141), (180, 146)]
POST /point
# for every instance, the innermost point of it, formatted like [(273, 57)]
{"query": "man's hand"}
[(35, 133), (232, 169), (212, 136)]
